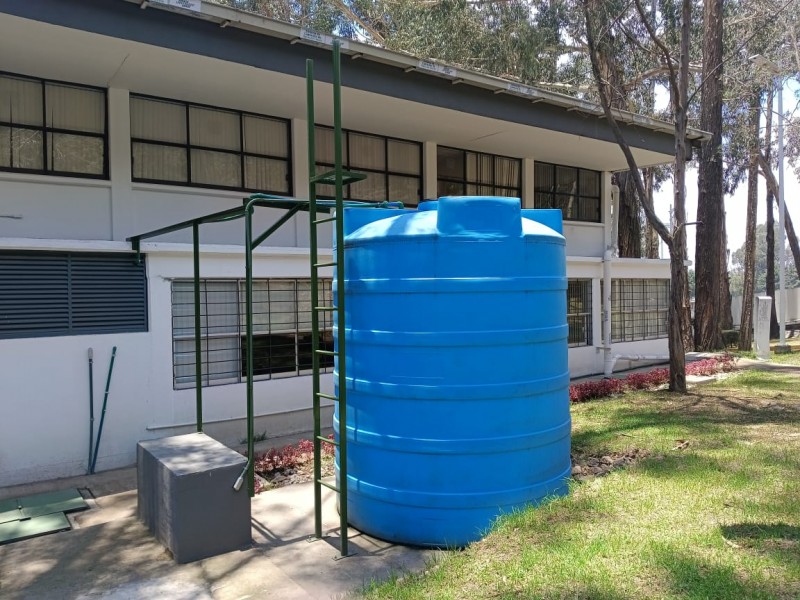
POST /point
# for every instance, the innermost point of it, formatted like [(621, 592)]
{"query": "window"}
[(575, 191), (189, 144), (579, 312), (63, 293), (281, 330), (393, 166), (52, 128), (465, 173), (639, 309)]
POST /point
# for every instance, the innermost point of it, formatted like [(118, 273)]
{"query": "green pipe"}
[(340, 312), (91, 409), (198, 342), (103, 413), (289, 214), (248, 266), (312, 235)]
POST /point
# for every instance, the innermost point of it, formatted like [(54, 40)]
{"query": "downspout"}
[(609, 254)]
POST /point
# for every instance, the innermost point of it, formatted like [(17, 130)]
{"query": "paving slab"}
[(113, 555)]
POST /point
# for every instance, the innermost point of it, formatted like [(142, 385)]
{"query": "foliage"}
[(288, 457), (602, 388), (737, 270)]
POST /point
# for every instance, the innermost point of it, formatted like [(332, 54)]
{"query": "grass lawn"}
[(717, 518)]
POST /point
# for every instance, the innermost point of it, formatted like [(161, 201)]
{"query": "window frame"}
[(188, 147), (465, 182), (552, 193), (586, 314), (386, 172), (45, 129), (231, 377)]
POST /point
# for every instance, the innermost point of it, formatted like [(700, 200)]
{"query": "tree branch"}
[(660, 228)]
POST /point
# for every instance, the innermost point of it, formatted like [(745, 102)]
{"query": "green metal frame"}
[(338, 177)]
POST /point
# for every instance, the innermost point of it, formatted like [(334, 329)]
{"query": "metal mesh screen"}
[(281, 330), (639, 309), (579, 312)]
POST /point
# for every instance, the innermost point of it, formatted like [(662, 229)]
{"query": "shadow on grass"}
[(695, 577), (704, 415), (780, 539)]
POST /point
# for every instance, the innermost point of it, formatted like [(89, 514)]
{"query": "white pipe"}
[(608, 256), (637, 357)]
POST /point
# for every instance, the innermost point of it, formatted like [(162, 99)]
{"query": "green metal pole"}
[(248, 266), (198, 345), (340, 312), (312, 252)]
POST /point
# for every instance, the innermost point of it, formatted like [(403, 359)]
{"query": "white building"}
[(116, 120)]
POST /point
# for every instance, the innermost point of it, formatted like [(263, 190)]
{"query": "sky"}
[(735, 204)]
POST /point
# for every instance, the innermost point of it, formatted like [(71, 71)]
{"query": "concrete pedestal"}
[(186, 496)]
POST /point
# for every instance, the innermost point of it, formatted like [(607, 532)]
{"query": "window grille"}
[(579, 312), (190, 144), (462, 172), (52, 128), (393, 166), (63, 293), (575, 191), (281, 330), (639, 309)]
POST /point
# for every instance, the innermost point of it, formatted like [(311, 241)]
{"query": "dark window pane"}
[(450, 188), (590, 184), (266, 174), (68, 153), (404, 157), (21, 148), (20, 101), (543, 177), (367, 151), (450, 163), (159, 163), (216, 168)]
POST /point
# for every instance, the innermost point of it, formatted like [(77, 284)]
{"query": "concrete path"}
[(112, 555)]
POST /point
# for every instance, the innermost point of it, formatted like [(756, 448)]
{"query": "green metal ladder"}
[(339, 178)]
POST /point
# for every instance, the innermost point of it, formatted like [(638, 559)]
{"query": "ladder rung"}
[(322, 438), (328, 352), (327, 264), (330, 486), (325, 220), (328, 396), (329, 177), (324, 308)]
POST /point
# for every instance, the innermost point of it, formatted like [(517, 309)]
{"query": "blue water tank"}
[(457, 376)]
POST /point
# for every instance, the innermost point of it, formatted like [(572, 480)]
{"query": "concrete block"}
[(186, 496)]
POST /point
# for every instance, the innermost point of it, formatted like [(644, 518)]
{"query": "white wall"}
[(44, 381)]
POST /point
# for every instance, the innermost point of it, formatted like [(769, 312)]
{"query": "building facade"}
[(117, 118)]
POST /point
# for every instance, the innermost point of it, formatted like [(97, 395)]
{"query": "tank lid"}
[(479, 216)]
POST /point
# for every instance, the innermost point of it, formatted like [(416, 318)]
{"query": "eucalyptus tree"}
[(599, 23)]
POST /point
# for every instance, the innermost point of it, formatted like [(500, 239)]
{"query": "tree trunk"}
[(650, 235), (679, 86), (772, 186), (774, 330), (708, 269), (629, 238), (749, 284), (677, 352), (680, 283), (725, 314)]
